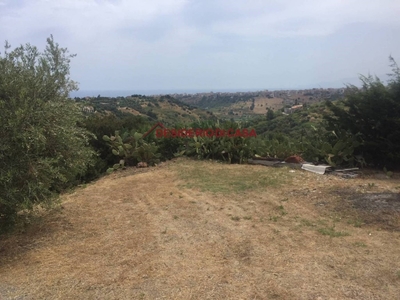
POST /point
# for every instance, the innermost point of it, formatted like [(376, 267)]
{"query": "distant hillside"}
[(242, 105), (292, 124), (165, 109), (188, 108)]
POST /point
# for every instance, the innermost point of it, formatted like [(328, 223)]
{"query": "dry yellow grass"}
[(261, 104), (129, 110), (168, 233)]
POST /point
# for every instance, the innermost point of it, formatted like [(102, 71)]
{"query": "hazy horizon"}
[(124, 93), (127, 92)]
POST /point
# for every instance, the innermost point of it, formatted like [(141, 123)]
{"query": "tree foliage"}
[(42, 149), (107, 124), (132, 148), (373, 113)]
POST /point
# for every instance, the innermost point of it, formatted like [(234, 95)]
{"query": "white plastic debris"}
[(320, 169)]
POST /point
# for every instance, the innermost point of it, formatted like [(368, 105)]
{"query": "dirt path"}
[(146, 236)]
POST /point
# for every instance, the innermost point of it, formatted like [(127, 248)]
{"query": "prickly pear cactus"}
[(132, 149)]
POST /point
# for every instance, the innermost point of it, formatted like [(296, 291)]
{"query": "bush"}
[(101, 125), (42, 150), (230, 149), (131, 147), (373, 113)]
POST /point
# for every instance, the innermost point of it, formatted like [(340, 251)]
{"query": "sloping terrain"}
[(205, 230), (165, 109), (243, 108)]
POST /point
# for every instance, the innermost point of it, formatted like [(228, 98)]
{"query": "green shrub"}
[(372, 113), (230, 149), (101, 125), (131, 147), (42, 150)]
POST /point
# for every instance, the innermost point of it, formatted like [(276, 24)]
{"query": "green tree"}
[(107, 124), (373, 113), (270, 114), (42, 150)]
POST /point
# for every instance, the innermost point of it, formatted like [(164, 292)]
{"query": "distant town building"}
[(88, 109), (293, 108)]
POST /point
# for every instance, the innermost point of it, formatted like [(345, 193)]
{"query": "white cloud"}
[(88, 21), (124, 41), (84, 19), (305, 18)]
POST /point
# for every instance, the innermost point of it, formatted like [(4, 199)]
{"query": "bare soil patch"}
[(129, 110), (380, 208), (205, 230), (378, 202), (261, 104)]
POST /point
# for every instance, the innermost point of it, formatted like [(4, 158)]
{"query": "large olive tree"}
[(42, 150)]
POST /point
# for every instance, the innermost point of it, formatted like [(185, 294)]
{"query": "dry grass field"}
[(261, 104), (205, 230), (129, 110)]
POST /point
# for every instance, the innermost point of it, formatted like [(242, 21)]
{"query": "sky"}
[(211, 44)]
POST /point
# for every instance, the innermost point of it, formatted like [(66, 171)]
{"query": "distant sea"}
[(124, 93)]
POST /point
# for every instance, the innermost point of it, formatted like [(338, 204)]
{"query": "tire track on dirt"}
[(147, 235), (201, 251)]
